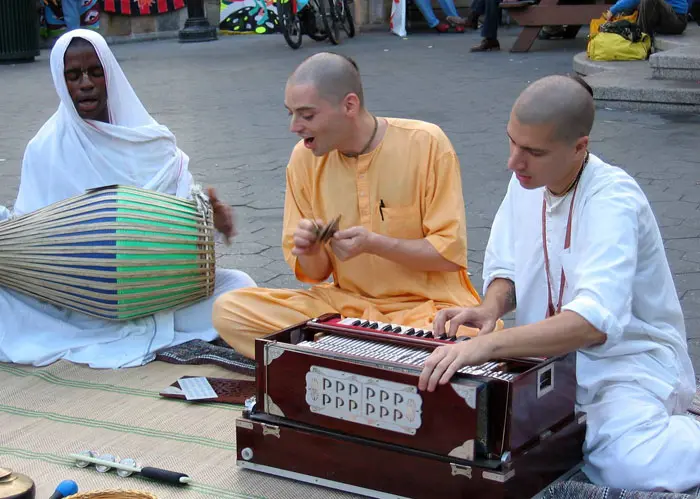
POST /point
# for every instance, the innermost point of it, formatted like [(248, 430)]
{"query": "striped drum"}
[(114, 252)]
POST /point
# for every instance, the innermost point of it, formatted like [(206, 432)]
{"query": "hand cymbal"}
[(323, 234)]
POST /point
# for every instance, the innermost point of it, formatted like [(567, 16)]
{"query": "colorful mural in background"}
[(52, 23), (142, 7), (248, 17), (236, 16)]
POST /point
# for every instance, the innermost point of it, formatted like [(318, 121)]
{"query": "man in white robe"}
[(101, 135), (618, 309)]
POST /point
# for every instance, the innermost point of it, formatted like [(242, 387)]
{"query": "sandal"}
[(456, 21)]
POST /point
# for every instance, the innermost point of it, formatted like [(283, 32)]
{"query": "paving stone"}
[(659, 174), (692, 329), (660, 193), (248, 248), (476, 256), (691, 256), (694, 350), (683, 266), (664, 222), (674, 209), (680, 231), (250, 263), (691, 304), (693, 220), (478, 238), (687, 282), (685, 244)]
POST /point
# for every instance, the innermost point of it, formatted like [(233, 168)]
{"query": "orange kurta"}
[(408, 187)]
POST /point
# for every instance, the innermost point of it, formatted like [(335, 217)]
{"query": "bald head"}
[(561, 101), (332, 75)]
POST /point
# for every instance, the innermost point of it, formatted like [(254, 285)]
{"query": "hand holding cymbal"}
[(323, 234)]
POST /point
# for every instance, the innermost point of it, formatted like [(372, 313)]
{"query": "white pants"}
[(38, 333), (635, 441)]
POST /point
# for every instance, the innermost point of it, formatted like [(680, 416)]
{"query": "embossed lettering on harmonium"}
[(364, 400)]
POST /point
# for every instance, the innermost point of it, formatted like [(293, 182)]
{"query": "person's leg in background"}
[(433, 22), (478, 8), (453, 17), (489, 29), (657, 17), (71, 13)]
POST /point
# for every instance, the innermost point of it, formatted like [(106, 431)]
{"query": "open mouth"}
[(308, 141), (87, 103)]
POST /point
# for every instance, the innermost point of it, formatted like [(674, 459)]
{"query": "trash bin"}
[(19, 30)]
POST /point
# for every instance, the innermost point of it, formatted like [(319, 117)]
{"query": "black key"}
[(374, 325), (387, 327), (443, 336), (419, 333), (410, 332), (364, 324), (429, 334), (397, 329), (357, 322)]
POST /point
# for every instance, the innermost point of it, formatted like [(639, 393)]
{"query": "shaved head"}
[(562, 102), (334, 76)]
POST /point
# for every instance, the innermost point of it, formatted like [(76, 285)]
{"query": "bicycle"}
[(294, 22), (341, 10)]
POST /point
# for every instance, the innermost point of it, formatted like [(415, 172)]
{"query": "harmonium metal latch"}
[(461, 470), (268, 429)]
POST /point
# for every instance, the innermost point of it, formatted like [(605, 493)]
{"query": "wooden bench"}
[(532, 16)]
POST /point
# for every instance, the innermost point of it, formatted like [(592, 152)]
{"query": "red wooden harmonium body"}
[(351, 386)]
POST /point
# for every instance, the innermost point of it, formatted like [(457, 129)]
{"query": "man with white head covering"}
[(101, 135), (576, 251)]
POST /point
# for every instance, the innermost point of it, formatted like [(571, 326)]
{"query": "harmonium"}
[(337, 404)]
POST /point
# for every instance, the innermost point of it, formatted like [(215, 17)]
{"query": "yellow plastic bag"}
[(596, 23), (613, 47)]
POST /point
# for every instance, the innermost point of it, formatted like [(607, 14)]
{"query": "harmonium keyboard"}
[(337, 404)]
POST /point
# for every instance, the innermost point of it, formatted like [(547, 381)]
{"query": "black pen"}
[(381, 205)]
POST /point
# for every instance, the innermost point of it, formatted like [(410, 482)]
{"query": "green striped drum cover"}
[(115, 252)]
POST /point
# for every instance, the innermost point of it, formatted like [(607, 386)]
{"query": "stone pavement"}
[(224, 102)]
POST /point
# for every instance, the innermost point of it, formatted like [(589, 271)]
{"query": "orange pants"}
[(243, 315)]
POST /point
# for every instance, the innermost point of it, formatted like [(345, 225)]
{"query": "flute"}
[(147, 471)]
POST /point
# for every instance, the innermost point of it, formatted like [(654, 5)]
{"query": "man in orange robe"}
[(400, 255)]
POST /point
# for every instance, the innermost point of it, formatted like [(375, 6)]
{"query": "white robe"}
[(67, 156), (637, 386)]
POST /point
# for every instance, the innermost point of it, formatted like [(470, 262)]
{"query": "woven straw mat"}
[(48, 413)]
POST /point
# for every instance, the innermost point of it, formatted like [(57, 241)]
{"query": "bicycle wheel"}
[(289, 23), (330, 20), (308, 19), (347, 19)]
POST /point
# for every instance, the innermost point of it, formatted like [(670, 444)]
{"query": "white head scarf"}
[(69, 154)]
